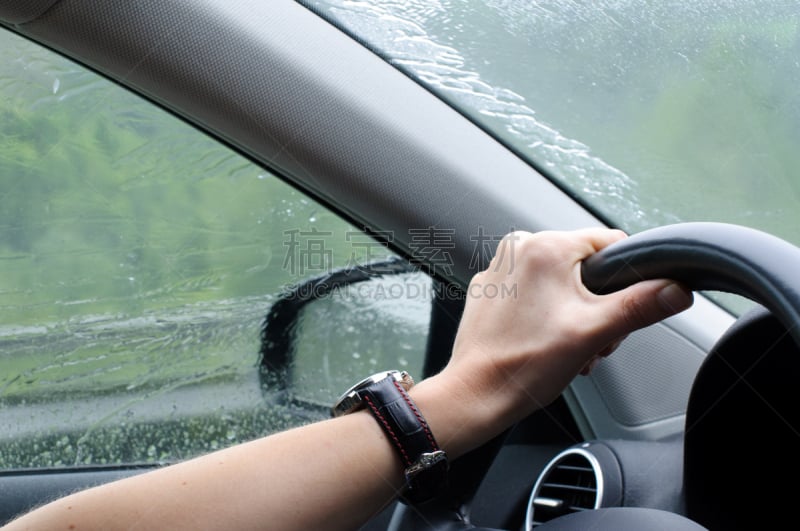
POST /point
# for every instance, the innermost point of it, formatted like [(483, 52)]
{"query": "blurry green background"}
[(138, 259)]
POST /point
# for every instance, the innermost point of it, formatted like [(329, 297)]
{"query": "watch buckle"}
[(425, 461)]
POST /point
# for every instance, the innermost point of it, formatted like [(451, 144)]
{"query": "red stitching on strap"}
[(388, 429), (417, 413)]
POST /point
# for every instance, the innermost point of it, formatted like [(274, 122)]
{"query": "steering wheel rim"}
[(700, 255), (706, 256)]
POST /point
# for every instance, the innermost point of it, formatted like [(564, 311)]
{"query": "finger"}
[(611, 347), (599, 238), (575, 246), (589, 367), (607, 351), (643, 304)]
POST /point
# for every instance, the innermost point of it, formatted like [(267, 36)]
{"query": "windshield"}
[(650, 112)]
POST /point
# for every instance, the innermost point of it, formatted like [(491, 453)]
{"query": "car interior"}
[(690, 423)]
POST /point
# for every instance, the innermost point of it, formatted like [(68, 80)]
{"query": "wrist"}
[(458, 415), (385, 396)]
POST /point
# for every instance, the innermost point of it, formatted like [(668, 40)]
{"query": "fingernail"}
[(674, 298)]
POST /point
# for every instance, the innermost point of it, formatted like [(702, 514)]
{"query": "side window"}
[(138, 261)]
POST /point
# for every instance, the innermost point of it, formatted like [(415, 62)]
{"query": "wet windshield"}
[(651, 112)]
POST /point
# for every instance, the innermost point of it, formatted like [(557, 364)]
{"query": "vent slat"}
[(576, 468), (568, 485), (552, 503), (575, 508)]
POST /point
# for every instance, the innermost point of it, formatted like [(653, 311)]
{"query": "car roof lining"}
[(23, 12)]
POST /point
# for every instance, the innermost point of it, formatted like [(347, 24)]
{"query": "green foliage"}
[(133, 249), (692, 106), (727, 127)]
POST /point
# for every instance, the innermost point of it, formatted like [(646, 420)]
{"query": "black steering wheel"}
[(702, 256), (706, 256)]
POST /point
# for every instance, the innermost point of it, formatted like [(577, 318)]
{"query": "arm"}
[(513, 354)]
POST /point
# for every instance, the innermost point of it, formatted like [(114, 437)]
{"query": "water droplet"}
[(356, 355)]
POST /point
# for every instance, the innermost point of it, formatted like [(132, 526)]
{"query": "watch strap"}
[(424, 462)]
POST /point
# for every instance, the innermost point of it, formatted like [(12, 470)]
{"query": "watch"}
[(385, 396)]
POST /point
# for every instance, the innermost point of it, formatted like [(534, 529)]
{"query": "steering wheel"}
[(702, 256)]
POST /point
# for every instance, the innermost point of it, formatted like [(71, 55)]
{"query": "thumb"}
[(645, 303)]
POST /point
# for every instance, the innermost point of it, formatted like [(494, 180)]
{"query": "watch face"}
[(350, 400)]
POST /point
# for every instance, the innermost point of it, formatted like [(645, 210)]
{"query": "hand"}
[(530, 326)]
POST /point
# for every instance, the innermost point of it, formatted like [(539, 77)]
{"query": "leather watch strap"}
[(400, 419), (425, 463)]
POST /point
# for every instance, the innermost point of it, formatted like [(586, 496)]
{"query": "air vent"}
[(571, 482)]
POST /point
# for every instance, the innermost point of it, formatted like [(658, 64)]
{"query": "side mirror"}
[(329, 331)]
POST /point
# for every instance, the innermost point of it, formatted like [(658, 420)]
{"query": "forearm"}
[(334, 474)]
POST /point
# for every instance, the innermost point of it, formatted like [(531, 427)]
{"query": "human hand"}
[(530, 326)]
